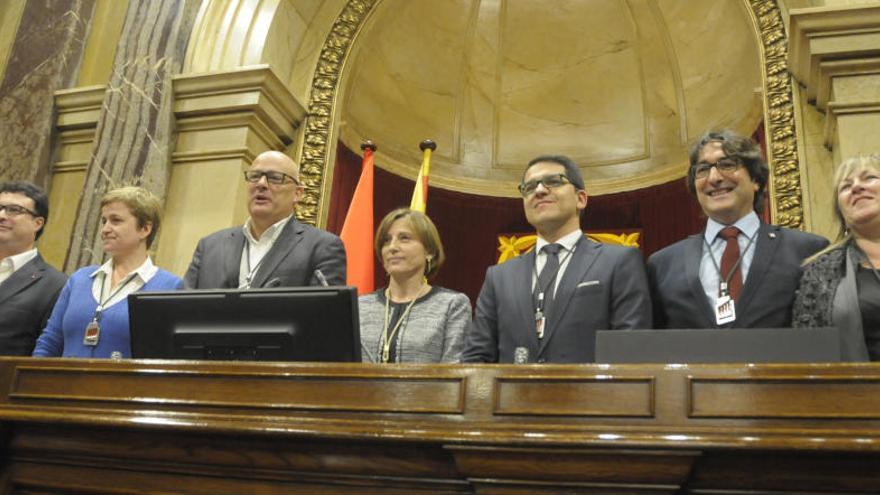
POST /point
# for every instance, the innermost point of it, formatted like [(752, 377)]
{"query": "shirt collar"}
[(145, 272), (567, 241), (17, 261), (270, 234), (748, 225)]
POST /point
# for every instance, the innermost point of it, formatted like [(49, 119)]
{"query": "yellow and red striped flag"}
[(357, 230), (420, 193)]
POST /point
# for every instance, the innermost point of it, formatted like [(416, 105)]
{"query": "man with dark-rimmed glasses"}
[(546, 306), (271, 249), (738, 272), (28, 285)]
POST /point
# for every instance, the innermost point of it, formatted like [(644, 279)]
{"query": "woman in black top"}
[(841, 284)]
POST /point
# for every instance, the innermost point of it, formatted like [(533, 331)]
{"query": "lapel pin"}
[(772, 235)]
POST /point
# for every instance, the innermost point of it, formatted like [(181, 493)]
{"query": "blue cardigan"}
[(63, 335)]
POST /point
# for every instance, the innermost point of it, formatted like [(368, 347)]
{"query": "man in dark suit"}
[(738, 272), (272, 249), (545, 306), (28, 286)]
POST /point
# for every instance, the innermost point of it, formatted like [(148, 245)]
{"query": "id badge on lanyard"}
[(92, 333), (725, 307)]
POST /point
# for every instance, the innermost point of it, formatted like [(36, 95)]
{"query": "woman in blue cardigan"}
[(90, 319)]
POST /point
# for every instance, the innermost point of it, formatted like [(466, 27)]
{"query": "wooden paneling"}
[(826, 397), (411, 393), (595, 396), (647, 467), (264, 428)]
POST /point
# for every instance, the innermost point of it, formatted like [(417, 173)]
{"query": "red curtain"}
[(469, 224)]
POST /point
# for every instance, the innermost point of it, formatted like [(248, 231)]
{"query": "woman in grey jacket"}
[(411, 321), (841, 284)]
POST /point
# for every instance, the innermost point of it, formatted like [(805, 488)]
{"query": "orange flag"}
[(357, 231)]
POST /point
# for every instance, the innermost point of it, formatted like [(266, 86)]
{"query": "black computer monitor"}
[(283, 324)]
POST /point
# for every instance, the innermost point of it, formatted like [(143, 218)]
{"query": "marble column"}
[(835, 56), (45, 57), (134, 135)]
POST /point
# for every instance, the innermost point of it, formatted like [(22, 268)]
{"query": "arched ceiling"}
[(621, 86)]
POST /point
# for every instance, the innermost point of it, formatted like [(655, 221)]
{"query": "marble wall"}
[(134, 136), (45, 57)]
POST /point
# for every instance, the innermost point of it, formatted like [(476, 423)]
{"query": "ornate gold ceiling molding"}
[(784, 186), (321, 108)]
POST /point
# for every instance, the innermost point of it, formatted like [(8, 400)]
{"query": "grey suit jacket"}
[(298, 252), (766, 297), (603, 287), (26, 301)]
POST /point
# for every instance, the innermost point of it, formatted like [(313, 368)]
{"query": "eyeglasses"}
[(725, 166), (16, 210), (272, 177), (549, 181)]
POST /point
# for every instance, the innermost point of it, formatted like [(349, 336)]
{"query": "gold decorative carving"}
[(785, 179), (325, 84)]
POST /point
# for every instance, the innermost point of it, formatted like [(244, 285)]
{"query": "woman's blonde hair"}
[(841, 173)]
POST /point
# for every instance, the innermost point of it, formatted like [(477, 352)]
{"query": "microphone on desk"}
[(321, 278), (275, 282)]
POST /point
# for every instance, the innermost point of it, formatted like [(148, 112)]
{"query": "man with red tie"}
[(738, 272)]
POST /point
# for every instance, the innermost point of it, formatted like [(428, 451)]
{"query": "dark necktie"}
[(728, 259), (547, 277)]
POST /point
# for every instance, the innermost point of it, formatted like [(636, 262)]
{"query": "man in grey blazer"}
[(545, 306), (28, 286), (271, 249), (691, 285)]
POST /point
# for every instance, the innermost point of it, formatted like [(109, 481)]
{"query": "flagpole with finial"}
[(420, 193)]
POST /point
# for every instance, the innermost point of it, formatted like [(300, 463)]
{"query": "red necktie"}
[(728, 259)]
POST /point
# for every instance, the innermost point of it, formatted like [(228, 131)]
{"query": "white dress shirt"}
[(256, 249), (12, 263), (748, 228), (568, 242), (102, 277)]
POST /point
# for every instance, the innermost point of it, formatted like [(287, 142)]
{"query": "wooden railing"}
[(198, 427)]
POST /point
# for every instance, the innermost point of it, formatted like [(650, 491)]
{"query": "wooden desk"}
[(191, 427)]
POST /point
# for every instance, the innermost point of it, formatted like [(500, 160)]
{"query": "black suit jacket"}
[(766, 298), (26, 301), (603, 287), (299, 250)]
